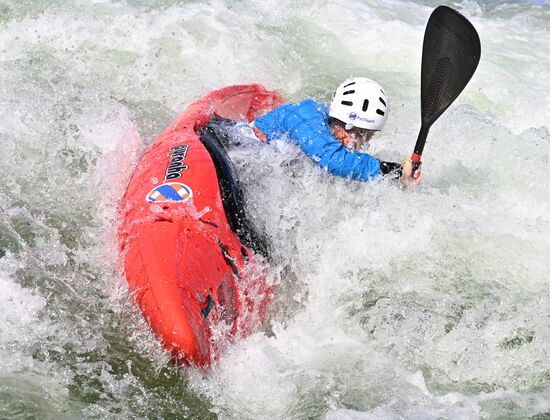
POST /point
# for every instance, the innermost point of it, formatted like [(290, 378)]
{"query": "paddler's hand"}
[(260, 134), (408, 178)]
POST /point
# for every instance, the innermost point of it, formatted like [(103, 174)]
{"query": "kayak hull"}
[(195, 281)]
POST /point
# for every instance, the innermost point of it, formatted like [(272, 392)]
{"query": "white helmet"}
[(360, 102)]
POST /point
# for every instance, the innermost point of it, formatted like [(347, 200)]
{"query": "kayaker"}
[(337, 138)]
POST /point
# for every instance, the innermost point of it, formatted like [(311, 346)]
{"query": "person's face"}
[(360, 137), (356, 138)]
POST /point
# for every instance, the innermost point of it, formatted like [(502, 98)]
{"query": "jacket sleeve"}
[(337, 159), (272, 123), (315, 139), (393, 169)]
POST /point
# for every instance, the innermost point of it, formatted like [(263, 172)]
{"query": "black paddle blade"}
[(450, 56)]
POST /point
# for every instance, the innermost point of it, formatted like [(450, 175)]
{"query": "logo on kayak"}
[(170, 191), (177, 162)]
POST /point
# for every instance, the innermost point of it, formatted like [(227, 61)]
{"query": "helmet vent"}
[(347, 103), (349, 92), (349, 84), (383, 93), (381, 100), (365, 105), (380, 112)]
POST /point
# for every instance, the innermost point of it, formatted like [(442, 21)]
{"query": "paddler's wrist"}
[(393, 169), (259, 133)]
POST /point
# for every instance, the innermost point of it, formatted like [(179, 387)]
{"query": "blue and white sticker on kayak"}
[(170, 191)]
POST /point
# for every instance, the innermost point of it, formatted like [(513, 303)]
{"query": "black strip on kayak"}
[(213, 138)]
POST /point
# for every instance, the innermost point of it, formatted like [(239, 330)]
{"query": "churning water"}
[(392, 303)]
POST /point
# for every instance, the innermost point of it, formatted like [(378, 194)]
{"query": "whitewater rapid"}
[(391, 303)]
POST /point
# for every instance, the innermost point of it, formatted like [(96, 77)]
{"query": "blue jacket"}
[(307, 123)]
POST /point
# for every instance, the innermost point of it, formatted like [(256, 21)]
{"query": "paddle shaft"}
[(419, 147)]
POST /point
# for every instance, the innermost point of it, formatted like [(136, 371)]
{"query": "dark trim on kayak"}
[(209, 306), (213, 138), (229, 258)]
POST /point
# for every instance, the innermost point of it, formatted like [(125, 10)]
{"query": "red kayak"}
[(181, 243)]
